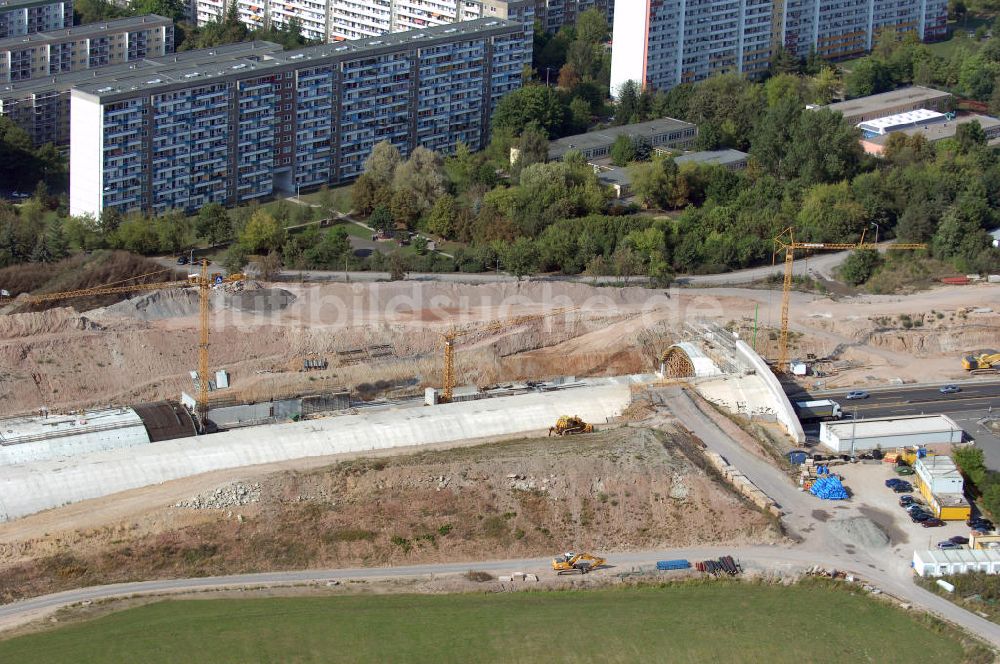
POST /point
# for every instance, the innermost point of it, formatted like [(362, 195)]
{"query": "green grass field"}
[(719, 622)]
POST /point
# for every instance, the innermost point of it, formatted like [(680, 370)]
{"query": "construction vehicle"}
[(786, 241), (567, 426), (984, 362), (576, 562), (451, 336), (202, 281)]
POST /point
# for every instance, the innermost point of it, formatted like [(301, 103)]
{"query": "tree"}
[(263, 233), (382, 221), (653, 183), (214, 224), (579, 115), (627, 106), (397, 267), (622, 150), (536, 104), (823, 148), (860, 266), (626, 263), (830, 214), (405, 208), (969, 135), (519, 257), (368, 193), (236, 258), (381, 164), (532, 148), (269, 265), (592, 26), (422, 176), (868, 76), (329, 252), (441, 219)]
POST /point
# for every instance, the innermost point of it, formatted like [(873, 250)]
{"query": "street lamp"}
[(876, 227)]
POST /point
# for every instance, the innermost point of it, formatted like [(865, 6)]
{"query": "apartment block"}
[(85, 47), (25, 17), (554, 14), (242, 127), (669, 42), (339, 20), (41, 106)]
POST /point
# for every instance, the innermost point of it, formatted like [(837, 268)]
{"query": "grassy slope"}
[(724, 622)]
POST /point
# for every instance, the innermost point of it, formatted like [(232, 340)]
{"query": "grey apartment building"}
[(85, 47), (25, 17), (248, 125)]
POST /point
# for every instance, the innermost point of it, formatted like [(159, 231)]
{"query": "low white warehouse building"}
[(884, 433), (956, 561)]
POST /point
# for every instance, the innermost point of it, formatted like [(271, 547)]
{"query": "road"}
[(925, 399), (883, 568)]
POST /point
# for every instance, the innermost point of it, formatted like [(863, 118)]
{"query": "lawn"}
[(720, 622)]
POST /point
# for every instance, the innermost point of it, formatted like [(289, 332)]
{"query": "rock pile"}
[(232, 495)]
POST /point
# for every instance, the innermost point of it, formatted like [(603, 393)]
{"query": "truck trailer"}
[(823, 409)]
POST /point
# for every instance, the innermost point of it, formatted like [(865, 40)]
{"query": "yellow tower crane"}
[(203, 281), (451, 336), (786, 241)]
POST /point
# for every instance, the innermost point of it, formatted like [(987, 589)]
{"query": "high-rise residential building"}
[(245, 127), (662, 43), (554, 14), (338, 20), (40, 106), (25, 17), (85, 47)]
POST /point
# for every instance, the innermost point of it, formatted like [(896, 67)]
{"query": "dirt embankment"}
[(616, 490)]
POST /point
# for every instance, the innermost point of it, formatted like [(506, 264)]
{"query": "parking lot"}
[(870, 496)]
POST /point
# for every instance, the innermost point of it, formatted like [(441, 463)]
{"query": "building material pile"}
[(828, 487), (724, 565)]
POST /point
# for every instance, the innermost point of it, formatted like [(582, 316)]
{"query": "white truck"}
[(822, 409)]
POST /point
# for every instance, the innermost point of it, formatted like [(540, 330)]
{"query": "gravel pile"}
[(232, 495), (859, 531)]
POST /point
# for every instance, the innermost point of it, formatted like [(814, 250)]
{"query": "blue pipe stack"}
[(828, 487)]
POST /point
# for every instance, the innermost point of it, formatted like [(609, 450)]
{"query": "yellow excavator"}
[(567, 426), (576, 562), (980, 362)]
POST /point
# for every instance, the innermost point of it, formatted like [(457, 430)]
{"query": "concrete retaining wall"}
[(782, 406), (29, 488), (742, 483)]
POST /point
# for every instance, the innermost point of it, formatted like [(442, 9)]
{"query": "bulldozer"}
[(567, 426), (576, 562), (981, 362)]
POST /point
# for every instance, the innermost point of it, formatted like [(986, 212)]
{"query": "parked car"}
[(906, 500), (182, 260), (904, 470), (893, 481), (948, 544), (920, 516), (950, 389), (932, 522), (856, 394), (914, 507), (958, 539), (903, 487), (976, 521)]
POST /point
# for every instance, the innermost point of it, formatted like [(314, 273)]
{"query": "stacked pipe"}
[(828, 487)]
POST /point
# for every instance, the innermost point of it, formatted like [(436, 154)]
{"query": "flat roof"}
[(939, 466), (941, 130), (85, 31), (892, 426), (720, 157), (615, 175), (952, 556), (16, 430), (601, 137), (909, 117), (862, 105), (186, 73), (127, 70)]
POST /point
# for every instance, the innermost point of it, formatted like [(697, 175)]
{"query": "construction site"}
[(284, 425)]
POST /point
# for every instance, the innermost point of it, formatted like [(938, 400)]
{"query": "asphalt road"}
[(926, 399)]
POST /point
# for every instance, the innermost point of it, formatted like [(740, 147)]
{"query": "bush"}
[(860, 266)]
